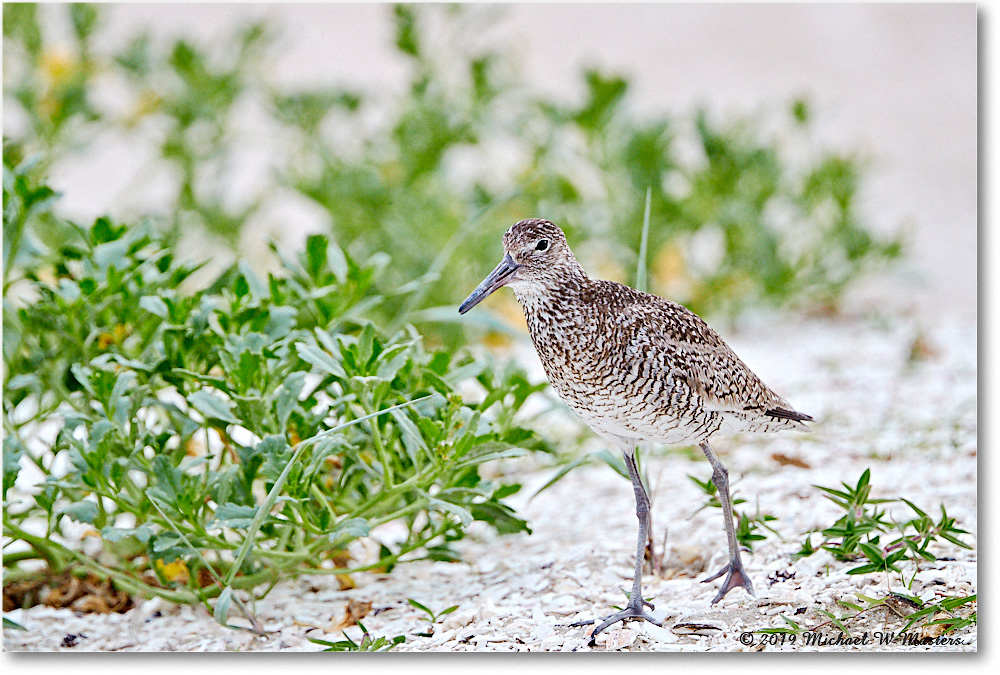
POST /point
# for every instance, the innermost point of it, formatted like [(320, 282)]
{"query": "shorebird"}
[(636, 368)]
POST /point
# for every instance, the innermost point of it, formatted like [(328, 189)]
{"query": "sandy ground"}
[(912, 422)]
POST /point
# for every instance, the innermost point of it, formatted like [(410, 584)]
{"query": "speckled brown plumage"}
[(631, 364), (634, 367)]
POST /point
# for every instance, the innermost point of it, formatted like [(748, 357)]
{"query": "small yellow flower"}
[(148, 103), (114, 336), (669, 267), (671, 277), (58, 66), (392, 172), (176, 571)]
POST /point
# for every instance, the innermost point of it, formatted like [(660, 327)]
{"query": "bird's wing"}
[(694, 353)]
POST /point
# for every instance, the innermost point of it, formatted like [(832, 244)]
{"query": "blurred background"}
[(789, 151), (808, 174)]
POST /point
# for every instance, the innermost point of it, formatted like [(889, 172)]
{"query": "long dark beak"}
[(503, 273)]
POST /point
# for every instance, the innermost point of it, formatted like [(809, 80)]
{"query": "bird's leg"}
[(642, 513), (735, 574), (649, 551), (634, 609)]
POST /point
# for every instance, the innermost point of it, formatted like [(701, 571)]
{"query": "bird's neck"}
[(552, 295), (555, 313)]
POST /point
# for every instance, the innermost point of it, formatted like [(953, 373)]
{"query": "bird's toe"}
[(736, 577)]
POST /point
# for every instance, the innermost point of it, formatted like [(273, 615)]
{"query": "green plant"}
[(948, 606), (367, 644), (729, 194), (432, 616), (858, 532), (917, 610), (27, 217), (862, 516), (54, 87), (10, 624), (226, 438), (775, 229)]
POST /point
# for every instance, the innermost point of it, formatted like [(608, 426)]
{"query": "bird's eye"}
[(542, 245)]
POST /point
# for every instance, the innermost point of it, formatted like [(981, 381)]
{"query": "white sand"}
[(914, 425)]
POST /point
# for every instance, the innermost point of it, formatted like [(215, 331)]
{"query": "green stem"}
[(48, 549), (286, 556), (321, 498), (272, 496), (255, 625), (16, 557), (407, 484), (15, 245), (57, 554), (399, 513), (388, 477), (640, 272), (388, 559)]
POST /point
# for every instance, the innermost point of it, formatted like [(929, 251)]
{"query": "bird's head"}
[(536, 256)]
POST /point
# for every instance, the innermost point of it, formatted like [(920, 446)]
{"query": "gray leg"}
[(642, 513), (735, 574), (634, 610)]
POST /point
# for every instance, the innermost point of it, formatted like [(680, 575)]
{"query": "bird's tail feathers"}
[(786, 414)]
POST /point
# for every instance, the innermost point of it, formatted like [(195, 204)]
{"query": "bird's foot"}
[(632, 611), (735, 576)]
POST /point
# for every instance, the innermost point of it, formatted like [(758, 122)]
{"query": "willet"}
[(635, 368)]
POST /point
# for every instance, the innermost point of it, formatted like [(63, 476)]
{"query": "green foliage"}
[(428, 175), (26, 206), (918, 614), (862, 517), (53, 87), (172, 412), (10, 624), (859, 531), (432, 616), (857, 535), (367, 644), (255, 427), (947, 606)]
